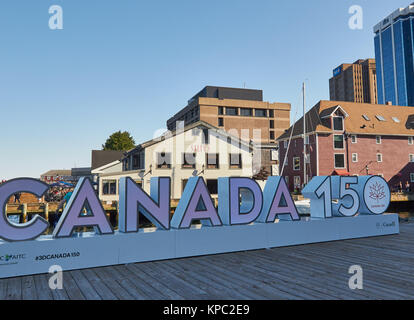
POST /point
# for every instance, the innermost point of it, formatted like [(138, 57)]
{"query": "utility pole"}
[(304, 137)]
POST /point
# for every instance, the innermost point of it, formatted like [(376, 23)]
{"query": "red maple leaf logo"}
[(377, 192)]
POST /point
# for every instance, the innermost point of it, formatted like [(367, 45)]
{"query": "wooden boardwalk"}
[(318, 271)]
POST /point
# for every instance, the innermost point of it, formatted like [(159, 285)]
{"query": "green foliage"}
[(119, 141)]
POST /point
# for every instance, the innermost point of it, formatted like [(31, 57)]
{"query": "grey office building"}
[(394, 54)]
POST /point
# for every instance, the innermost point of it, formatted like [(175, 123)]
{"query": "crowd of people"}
[(56, 194), (403, 188)]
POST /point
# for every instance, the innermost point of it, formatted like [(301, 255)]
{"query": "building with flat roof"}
[(394, 53), (241, 112), (354, 82)]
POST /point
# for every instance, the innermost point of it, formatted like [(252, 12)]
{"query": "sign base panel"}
[(89, 250)]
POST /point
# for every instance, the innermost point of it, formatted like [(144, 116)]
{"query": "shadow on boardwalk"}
[(318, 271)]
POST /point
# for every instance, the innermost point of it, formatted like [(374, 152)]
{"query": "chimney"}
[(389, 103)]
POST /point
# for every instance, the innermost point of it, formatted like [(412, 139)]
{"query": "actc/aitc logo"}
[(12, 257)]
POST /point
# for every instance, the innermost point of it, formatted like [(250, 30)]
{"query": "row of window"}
[(189, 160), (339, 141), (339, 160), (297, 179), (245, 112)]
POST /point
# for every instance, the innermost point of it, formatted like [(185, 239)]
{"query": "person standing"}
[(17, 197), (63, 202)]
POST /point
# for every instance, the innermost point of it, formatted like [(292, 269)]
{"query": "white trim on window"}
[(294, 168), (343, 141), (411, 158), (379, 157), (410, 141), (339, 154), (354, 138), (355, 157), (378, 139), (412, 177)]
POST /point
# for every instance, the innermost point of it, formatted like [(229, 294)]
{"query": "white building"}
[(196, 150)]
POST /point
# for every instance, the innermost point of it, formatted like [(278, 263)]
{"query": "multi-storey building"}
[(241, 112), (356, 82), (394, 53), (346, 138)]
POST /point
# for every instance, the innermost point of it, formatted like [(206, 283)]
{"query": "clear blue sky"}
[(131, 64)]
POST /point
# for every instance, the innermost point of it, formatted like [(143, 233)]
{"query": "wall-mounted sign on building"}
[(246, 218)]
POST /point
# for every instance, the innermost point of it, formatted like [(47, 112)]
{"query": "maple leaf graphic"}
[(377, 192)]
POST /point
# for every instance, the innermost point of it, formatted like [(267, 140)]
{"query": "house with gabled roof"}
[(346, 138), (198, 149)]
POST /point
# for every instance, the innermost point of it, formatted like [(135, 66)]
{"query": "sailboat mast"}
[(304, 137)]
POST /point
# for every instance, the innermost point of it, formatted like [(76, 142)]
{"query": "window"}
[(220, 122), (366, 117), (412, 177), (410, 141), (220, 111), (396, 120), (355, 157), (379, 139), (287, 180), (261, 113), (306, 140), (246, 112), (296, 163), (271, 113), (411, 158), (189, 161), (235, 161), (206, 136), (380, 118), (354, 139), (272, 135), (285, 144), (338, 123), (184, 183), (212, 160), (163, 160), (272, 124), (231, 111), (297, 181), (212, 186), (109, 187), (379, 157), (339, 161), (274, 155), (338, 141)]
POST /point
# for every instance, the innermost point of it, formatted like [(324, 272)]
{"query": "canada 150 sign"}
[(241, 202)]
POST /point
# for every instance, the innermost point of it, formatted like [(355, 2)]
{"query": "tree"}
[(119, 141)]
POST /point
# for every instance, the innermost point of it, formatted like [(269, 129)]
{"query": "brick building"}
[(237, 111), (356, 82), (345, 138)]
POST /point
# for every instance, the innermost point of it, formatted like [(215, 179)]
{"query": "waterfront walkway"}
[(318, 271)]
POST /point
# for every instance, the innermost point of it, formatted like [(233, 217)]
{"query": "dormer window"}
[(338, 123)]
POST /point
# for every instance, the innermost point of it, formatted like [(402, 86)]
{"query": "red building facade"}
[(346, 138)]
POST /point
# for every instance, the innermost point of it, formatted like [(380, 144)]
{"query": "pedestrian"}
[(63, 202), (407, 187), (17, 197)]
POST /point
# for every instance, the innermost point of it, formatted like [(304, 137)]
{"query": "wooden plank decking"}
[(318, 271)]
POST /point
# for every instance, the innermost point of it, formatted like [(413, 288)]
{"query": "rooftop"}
[(229, 93), (385, 23), (362, 118)]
